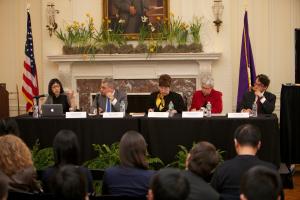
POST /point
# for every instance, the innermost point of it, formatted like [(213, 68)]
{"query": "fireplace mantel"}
[(134, 57), (132, 66)]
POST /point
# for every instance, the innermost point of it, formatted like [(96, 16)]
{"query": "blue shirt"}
[(126, 181)]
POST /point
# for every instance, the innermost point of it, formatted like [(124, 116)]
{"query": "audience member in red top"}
[(207, 94)]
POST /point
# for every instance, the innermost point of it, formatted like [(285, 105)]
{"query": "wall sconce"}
[(51, 12), (218, 8)]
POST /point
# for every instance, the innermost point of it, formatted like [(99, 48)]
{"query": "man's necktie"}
[(108, 105), (259, 106)]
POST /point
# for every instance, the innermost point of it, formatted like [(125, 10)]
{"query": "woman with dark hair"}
[(66, 152), (57, 95), (9, 126), (70, 184), (132, 177), (162, 100)]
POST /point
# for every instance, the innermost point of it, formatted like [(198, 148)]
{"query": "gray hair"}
[(208, 80), (110, 82)]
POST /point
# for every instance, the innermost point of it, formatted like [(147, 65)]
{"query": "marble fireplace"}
[(134, 73)]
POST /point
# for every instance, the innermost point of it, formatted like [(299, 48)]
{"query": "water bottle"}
[(123, 107), (208, 109), (171, 108), (254, 110), (35, 109)]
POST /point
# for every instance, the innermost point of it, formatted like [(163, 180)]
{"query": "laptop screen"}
[(52, 110)]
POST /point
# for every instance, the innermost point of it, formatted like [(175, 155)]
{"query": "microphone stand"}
[(97, 104)]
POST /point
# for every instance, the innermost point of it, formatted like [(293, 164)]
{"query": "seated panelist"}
[(109, 98), (57, 95), (265, 100), (207, 94), (160, 100)]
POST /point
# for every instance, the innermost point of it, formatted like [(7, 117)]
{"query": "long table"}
[(162, 135)]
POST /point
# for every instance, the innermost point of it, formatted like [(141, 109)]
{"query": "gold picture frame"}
[(116, 10)]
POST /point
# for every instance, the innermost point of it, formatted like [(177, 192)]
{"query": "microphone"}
[(39, 96)]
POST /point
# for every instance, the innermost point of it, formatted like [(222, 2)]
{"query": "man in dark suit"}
[(265, 100), (109, 98), (227, 176), (131, 11)]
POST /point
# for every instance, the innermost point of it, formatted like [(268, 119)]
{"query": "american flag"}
[(30, 81)]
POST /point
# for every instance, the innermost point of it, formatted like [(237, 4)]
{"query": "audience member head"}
[(55, 87), (14, 155), (3, 189), (202, 159), (164, 84), (133, 149), (262, 82), (9, 126), (66, 148), (207, 84), (168, 184), (70, 184), (247, 139), (260, 183), (107, 86)]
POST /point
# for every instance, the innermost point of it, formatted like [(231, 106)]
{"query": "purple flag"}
[(247, 67)]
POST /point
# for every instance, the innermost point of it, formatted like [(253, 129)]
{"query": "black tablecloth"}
[(290, 124), (89, 131), (162, 135)]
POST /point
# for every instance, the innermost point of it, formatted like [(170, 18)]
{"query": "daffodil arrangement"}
[(78, 35), (172, 33), (195, 29)]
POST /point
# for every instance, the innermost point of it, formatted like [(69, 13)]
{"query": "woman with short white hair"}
[(207, 94)]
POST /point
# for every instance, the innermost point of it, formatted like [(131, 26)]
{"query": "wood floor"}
[(294, 194)]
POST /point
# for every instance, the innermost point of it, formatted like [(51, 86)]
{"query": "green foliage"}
[(195, 29), (42, 158), (154, 162), (107, 156)]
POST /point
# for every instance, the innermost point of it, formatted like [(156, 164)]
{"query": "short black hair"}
[(247, 135), (9, 126), (52, 82), (203, 159), (169, 184), (66, 148), (260, 182), (70, 183), (264, 79)]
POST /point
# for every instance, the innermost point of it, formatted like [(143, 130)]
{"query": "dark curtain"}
[(297, 56), (289, 124)]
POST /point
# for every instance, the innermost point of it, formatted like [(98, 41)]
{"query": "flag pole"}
[(18, 99)]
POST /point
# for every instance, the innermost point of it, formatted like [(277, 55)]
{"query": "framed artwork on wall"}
[(128, 15)]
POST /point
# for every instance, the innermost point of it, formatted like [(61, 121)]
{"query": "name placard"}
[(238, 115), (113, 115), (196, 114), (70, 115), (158, 114)]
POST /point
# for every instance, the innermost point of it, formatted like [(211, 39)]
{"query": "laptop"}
[(52, 110)]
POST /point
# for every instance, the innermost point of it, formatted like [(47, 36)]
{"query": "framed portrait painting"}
[(132, 12)]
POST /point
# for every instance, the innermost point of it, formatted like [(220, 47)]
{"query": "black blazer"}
[(176, 98), (267, 107)]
